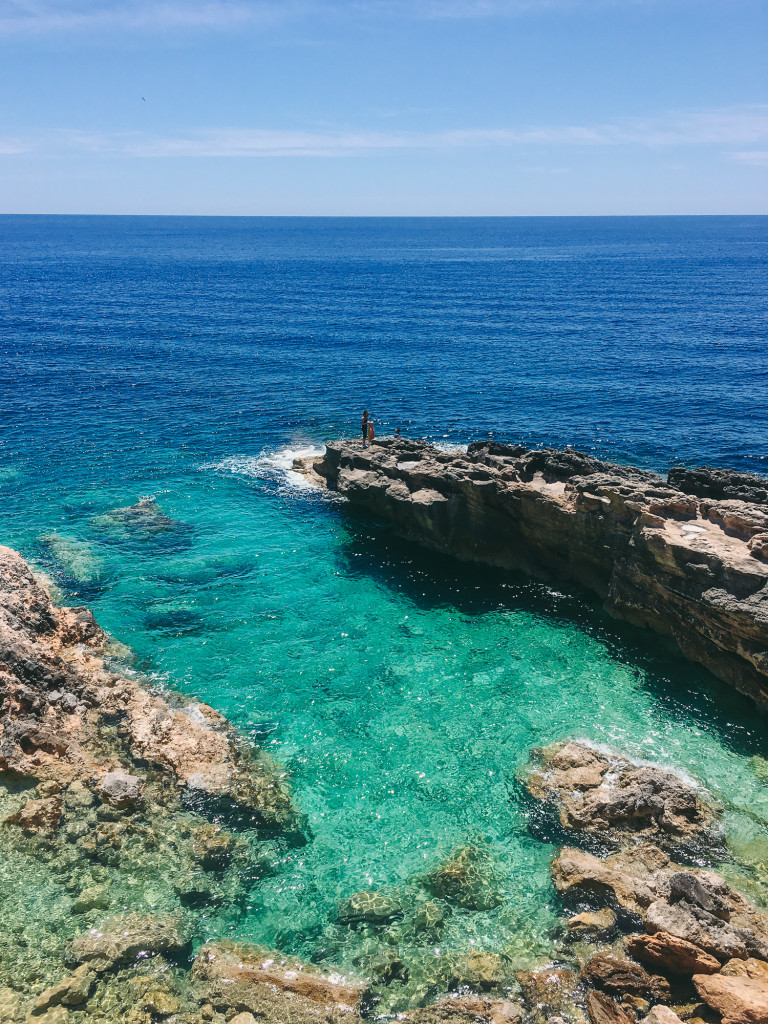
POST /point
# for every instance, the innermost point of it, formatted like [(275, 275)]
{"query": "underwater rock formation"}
[(689, 567)]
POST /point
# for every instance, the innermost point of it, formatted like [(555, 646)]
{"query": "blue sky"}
[(384, 107)]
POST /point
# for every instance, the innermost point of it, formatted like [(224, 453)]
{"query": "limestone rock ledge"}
[(667, 556), (66, 718)]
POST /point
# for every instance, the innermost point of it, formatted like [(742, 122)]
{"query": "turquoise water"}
[(403, 691)]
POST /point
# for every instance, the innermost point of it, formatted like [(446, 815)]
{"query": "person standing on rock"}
[(371, 432), (365, 428)]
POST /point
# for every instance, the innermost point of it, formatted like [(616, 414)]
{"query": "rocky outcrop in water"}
[(686, 557)]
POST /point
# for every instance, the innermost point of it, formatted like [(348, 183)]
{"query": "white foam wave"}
[(449, 447), (274, 466)]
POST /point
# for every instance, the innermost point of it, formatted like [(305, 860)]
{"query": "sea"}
[(190, 360)]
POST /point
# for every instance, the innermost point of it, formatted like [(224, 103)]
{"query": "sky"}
[(384, 107)]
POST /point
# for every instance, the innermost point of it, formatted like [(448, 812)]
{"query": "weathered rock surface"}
[(622, 977), (671, 954), (47, 652), (608, 795), (659, 556), (630, 879), (596, 924), (374, 907), (738, 1000), (661, 1015), (466, 879), (604, 1010), (471, 1011), (252, 979), (124, 938)]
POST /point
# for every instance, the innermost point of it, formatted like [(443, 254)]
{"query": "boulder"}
[(119, 789), (250, 977), (466, 879), (608, 795), (671, 954), (374, 907), (479, 970), (552, 991), (750, 968), (621, 977), (41, 816), (604, 1010), (466, 1011), (125, 938), (661, 1015), (71, 991), (738, 1000), (629, 879), (592, 924)]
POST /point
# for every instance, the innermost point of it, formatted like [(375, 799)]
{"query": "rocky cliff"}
[(686, 557)]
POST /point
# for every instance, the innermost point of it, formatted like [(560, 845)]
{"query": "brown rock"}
[(467, 1011), (551, 991), (750, 968), (72, 991), (123, 938), (596, 924), (41, 816), (607, 794), (661, 1015), (738, 1000), (480, 970), (630, 878), (234, 966), (604, 1010), (620, 977), (671, 954)]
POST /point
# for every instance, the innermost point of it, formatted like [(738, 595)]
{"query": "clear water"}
[(190, 359)]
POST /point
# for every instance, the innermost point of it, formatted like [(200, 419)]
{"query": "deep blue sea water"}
[(189, 359)]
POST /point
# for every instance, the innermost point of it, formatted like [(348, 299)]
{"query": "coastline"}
[(685, 557), (105, 780)]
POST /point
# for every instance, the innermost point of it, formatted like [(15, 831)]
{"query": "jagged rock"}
[(604, 1010), (94, 897), (374, 907), (592, 924), (160, 1002), (661, 1015), (622, 977), (658, 556), (253, 979), (671, 954), (708, 482), (465, 879), (119, 789), (738, 1000), (466, 1011), (243, 1018), (71, 991), (701, 908), (39, 815), (630, 878), (608, 795), (750, 968), (123, 938)]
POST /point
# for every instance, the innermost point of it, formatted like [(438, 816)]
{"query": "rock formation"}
[(686, 557)]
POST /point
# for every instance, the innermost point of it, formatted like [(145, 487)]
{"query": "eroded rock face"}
[(671, 954), (251, 978), (659, 554), (738, 1000), (467, 1011), (609, 796)]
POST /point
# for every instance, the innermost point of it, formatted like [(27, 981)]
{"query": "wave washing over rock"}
[(687, 556), (138, 803)]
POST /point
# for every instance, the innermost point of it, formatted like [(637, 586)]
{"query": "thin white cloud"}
[(728, 127), (36, 17), (12, 147), (754, 157)]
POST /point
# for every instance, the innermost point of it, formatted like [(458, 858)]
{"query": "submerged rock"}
[(253, 979), (72, 991), (374, 907), (124, 938), (466, 879), (467, 1011), (615, 799), (120, 789), (592, 924)]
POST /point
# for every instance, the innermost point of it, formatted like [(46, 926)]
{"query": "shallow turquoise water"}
[(402, 690)]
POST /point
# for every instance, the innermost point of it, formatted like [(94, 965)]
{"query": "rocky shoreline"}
[(138, 804), (686, 557)]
